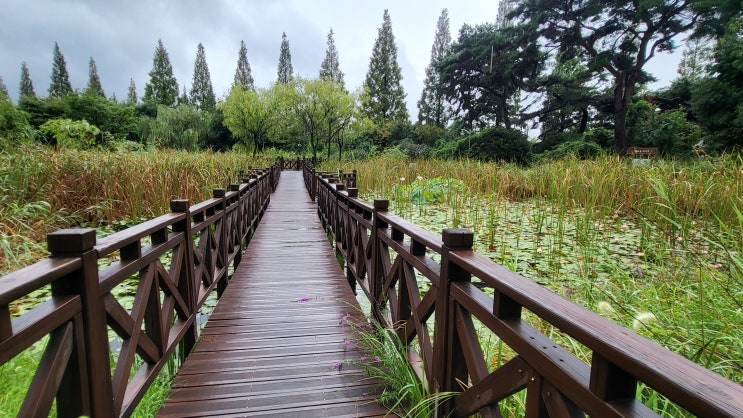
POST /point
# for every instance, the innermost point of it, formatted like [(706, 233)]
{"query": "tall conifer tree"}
[(331, 67), (60, 85), (433, 108), (285, 70), (243, 73), (94, 81), (26, 86), (183, 98), (163, 87), (131, 96), (384, 96), (4, 90), (202, 93)]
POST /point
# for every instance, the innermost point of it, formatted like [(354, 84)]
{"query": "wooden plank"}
[(280, 341)]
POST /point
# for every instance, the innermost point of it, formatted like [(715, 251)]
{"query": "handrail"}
[(385, 256), (174, 262)]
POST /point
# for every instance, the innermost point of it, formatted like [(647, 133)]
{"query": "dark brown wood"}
[(281, 340)]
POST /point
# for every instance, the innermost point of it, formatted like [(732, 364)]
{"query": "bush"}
[(71, 134), (576, 149), (496, 144)]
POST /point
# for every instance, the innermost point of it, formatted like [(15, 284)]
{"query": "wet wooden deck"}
[(276, 344)]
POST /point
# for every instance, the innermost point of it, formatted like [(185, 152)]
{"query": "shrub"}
[(496, 144), (71, 134)]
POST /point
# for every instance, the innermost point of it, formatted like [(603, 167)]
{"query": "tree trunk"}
[(583, 120), (623, 91)]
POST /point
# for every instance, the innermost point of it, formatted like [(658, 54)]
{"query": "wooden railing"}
[(173, 262), (386, 257)]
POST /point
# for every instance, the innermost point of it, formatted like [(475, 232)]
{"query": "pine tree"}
[(4, 95), (131, 97), (505, 7), (330, 67), (183, 98), (94, 81), (163, 87), (60, 85), (243, 74), (26, 87), (202, 93), (433, 108), (384, 96), (285, 70)]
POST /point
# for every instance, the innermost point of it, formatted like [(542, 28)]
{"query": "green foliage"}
[(717, 101), (383, 99), (162, 87), (581, 149), (423, 191), (131, 94), (71, 134), (486, 70), (26, 86), (617, 38), (285, 70), (243, 73), (60, 85), (4, 95), (181, 128), (250, 115), (671, 132), (202, 93), (496, 144), (330, 68), (14, 125), (433, 108), (94, 80)]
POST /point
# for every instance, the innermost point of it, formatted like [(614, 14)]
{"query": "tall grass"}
[(42, 190)]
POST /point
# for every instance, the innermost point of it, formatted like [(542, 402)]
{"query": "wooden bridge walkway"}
[(276, 344)]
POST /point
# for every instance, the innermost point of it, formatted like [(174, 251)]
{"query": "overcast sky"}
[(121, 36)]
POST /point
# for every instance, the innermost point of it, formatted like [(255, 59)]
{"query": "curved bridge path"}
[(280, 341)]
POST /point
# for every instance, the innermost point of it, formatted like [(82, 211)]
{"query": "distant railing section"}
[(385, 255), (173, 263)]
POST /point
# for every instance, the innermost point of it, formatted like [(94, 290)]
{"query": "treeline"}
[(546, 79)]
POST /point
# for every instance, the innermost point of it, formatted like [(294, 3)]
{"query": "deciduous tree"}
[(202, 93), (383, 99), (60, 85), (249, 115), (162, 87)]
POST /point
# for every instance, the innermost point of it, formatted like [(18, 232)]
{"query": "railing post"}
[(221, 241), (187, 284), (448, 360), (93, 390), (376, 275)]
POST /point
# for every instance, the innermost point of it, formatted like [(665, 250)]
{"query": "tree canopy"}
[(162, 87), (243, 73), (285, 70), (433, 107), (383, 99), (60, 85), (202, 93)]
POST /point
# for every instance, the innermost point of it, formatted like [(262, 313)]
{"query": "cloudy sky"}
[(121, 36)]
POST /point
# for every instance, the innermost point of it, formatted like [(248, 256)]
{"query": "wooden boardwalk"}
[(280, 341)]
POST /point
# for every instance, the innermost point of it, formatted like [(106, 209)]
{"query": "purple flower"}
[(304, 299), (348, 342), (376, 358), (337, 365)]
